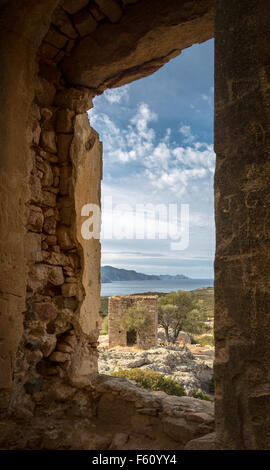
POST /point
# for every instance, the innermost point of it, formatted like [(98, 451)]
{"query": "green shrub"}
[(104, 329), (193, 340), (103, 306), (152, 380), (205, 340), (202, 396), (135, 318)]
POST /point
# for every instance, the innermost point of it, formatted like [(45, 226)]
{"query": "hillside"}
[(110, 274)]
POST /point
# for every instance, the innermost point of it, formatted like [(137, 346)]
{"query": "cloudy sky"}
[(157, 138)]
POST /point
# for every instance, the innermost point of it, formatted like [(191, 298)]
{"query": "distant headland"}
[(111, 274)]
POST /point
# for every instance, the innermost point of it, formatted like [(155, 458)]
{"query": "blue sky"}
[(157, 138)]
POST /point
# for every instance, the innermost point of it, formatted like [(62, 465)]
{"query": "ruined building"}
[(118, 306), (55, 57)]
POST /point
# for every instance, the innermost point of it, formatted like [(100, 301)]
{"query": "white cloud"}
[(197, 155), (186, 132), (162, 164), (116, 95), (207, 98), (129, 144)]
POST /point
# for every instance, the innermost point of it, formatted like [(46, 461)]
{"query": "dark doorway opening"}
[(131, 338)]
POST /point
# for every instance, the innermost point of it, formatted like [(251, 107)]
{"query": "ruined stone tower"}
[(118, 305)]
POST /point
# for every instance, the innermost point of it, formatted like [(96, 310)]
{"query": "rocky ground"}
[(190, 365)]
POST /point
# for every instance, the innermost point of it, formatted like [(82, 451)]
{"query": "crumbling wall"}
[(61, 314), (117, 308)]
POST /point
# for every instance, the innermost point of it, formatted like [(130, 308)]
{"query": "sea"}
[(137, 287)]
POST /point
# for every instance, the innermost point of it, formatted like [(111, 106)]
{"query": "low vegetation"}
[(206, 296), (205, 340), (152, 380), (104, 328), (202, 396)]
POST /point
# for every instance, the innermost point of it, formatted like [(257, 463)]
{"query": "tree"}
[(180, 311), (135, 318)]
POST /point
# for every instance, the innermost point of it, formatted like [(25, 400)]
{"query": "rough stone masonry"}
[(55, 57)]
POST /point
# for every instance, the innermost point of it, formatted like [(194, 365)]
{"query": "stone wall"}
[(118, 306), (61, 313), (110, 413), (242, 181)]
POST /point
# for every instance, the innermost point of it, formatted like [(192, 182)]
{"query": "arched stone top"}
[(109, 43)]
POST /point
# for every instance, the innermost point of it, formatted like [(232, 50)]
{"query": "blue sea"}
[(136, 287)]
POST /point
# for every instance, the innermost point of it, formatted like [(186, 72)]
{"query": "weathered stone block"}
[(62, 21), (49, 225), (33, 247), (206, 442), (35, 219), (45, 92), (36, 130), (143, 424), (48, 51), (59, 356), (59, 259), (33, 385), (84, 22), (47, 179), (36, 189), (48, 199), (44, 311), (178, 429), (114, 410), (119, 440), (49, 344), (33, 344), (63, 347), (71, 340), (55, 38), (56, 276), (51, 240), (64, 239), (111, 9), (97, 14), (48, 140), (69, 290), (64, 121), (72, 6)]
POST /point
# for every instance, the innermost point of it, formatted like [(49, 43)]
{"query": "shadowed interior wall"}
[(19, 41), (242, 182)]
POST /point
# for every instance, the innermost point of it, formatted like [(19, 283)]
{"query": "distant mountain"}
[(176, 277), (110, 274)]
